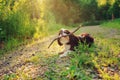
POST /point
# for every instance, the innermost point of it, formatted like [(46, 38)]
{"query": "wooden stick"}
[(52, 42), (66, 35)]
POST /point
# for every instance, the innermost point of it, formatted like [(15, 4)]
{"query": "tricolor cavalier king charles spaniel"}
[(70, 41)]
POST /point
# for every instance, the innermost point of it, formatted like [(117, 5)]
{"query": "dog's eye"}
[(67, 32)]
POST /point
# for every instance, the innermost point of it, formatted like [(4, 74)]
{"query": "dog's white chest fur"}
[(66, 51), (67, 47), (64, 40)]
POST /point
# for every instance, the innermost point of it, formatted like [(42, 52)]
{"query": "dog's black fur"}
[(75, 40)]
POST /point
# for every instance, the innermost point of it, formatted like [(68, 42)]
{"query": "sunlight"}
[(103, 2), (28, 27), (40, 1), (40, 22)]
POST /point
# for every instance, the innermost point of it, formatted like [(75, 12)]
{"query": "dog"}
[(71, 41)]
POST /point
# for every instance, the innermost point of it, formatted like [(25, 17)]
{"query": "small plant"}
[(10, 77)]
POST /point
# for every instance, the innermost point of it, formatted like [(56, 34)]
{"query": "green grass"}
[(102, 54), (108, 51), (112, 24), (84, 63), (80, 61), (74, 67), (10, 77), (13, 44), (92, 23)]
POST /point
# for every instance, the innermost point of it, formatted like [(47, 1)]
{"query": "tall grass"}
[(112, 24)]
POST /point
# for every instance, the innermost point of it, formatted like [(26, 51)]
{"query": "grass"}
[(112, 24), (100, 61), (13, 44), (92, 23), (107, 57), (80, 61), (87, 63)]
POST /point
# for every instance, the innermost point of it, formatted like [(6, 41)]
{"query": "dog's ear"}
[(84, 35), (59, 42), (60, 32)]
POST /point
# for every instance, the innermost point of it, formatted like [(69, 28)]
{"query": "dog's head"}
[(64, 34)]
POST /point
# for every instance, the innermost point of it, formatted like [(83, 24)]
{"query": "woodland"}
[(28, 26)]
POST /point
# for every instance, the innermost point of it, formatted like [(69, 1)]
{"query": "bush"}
[(80, 61)]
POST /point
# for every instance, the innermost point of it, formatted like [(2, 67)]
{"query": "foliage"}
[(112, 24), (24, 19), (80, 61), (65, 11), (102, 58), (107, 57), (76, 11), (88, 10), (91, 23), (10, 77), (103, 54)]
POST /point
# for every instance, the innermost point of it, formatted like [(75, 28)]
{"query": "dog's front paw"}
[(65, 53), (62, 55)]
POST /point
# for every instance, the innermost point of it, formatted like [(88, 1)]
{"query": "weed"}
[(10, 77)]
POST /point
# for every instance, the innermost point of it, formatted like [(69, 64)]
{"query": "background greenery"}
[(21, 20), (24, 21)]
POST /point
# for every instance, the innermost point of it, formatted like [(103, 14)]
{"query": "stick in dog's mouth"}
[(64, 35)]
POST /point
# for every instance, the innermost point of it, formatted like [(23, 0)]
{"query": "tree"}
[(87, 9), (114, 10)]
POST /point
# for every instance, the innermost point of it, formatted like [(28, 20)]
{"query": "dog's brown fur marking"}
[(73, 41)]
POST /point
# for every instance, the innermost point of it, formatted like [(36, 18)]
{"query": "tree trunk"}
[(113, 17)]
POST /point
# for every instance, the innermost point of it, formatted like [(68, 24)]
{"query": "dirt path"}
[(20, 59), (30, 60), (105, 32)]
